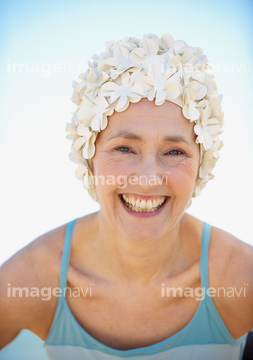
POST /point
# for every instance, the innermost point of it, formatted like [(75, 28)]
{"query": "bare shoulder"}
[(233, 258), (230, 270), (34, 267)]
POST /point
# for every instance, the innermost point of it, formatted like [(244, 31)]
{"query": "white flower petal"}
[(84, 131), (109, 86), (172, 91), (178, 45), (87, 179), (92, 193), (198, 129), (104, 122), (150, 45), (137, 88), (89, 148), (190, 111), (79, 143), (160, 97), (151, 95), (77, 158), (96, 122), (71, 128), (123, 100), (80, 171), (205, 139), (167, 41), (213, 129)]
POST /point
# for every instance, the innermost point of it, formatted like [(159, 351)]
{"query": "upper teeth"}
[(149, 204)]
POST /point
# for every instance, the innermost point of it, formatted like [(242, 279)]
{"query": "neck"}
[(130, 261)]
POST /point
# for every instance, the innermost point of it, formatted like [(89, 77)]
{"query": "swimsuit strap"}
[(204, 255), (66, 255)]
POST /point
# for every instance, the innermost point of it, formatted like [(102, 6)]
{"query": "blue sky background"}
[(52, 40)]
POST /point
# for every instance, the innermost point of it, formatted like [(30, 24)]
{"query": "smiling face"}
[(146, 154)]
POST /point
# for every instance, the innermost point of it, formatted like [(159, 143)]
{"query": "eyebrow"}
[(131, 136)]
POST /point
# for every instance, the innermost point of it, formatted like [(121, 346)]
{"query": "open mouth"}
[(143, 206)]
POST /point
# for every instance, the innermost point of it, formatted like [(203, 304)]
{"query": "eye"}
[(175, 152), (124, 149)]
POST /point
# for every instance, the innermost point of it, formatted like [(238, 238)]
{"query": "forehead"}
[(145, 118)]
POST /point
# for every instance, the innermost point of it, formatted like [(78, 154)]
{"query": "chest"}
[(130, 320)]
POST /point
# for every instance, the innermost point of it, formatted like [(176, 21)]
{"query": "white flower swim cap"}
[(154, 68)]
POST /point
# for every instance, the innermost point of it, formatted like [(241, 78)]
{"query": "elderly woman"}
[(140, 278)]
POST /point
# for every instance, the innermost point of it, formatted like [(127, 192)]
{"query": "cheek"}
[(110, 174), (181, 178)]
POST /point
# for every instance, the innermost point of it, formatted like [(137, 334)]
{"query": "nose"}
[(149, 174)]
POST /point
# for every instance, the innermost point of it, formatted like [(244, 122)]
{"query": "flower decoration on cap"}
[(158, 69)]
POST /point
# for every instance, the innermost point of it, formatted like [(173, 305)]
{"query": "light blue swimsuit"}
[(206, 336)]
